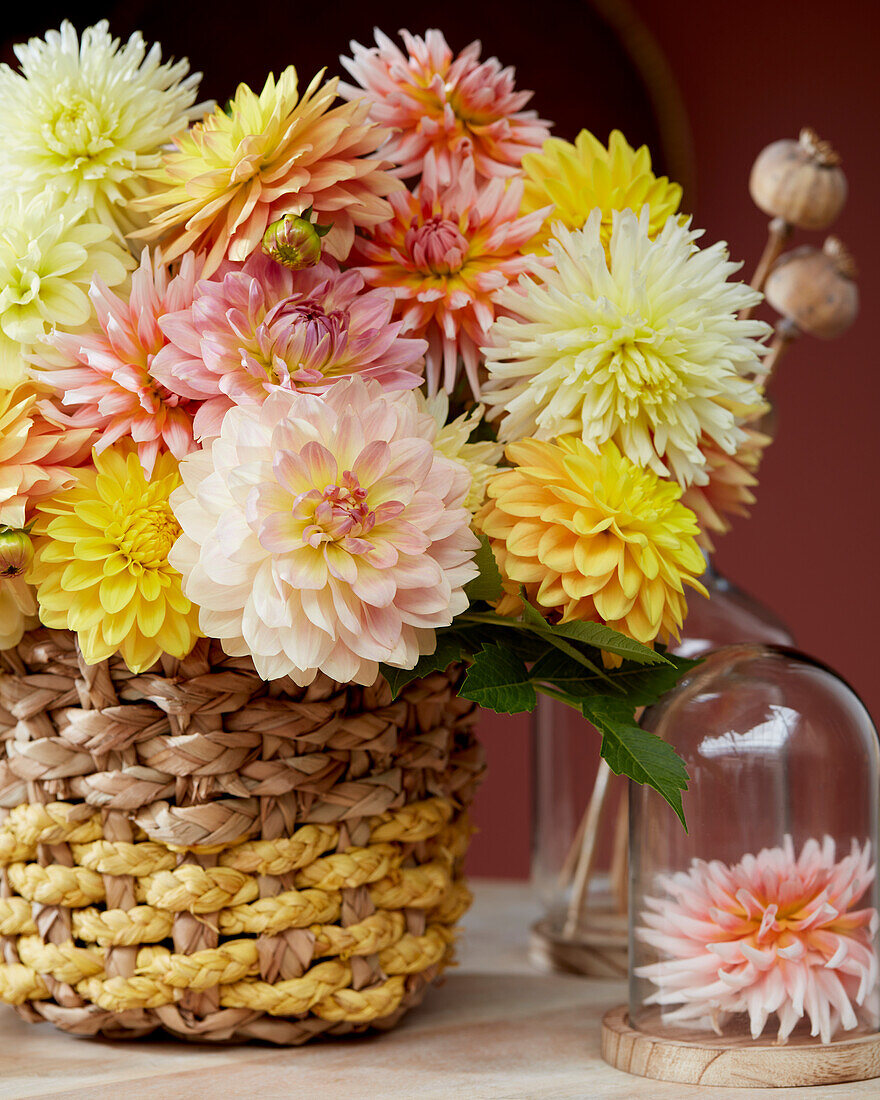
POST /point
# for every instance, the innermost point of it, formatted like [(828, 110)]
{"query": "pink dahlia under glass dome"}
[(761, 920)]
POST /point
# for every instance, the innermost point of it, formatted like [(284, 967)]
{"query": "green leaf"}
[(536, 622), (448, 651), (630, 750), (486, 586), (499, 680), (641, 685), (612, 641)]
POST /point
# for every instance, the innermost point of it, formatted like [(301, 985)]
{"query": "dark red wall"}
[(749, 73)]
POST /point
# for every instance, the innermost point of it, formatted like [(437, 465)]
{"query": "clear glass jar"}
[(761, 920), (566, 757)]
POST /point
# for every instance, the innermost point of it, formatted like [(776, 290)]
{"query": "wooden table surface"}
[(496, 1028)]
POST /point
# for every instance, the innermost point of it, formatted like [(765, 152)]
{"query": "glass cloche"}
[(760, 920)]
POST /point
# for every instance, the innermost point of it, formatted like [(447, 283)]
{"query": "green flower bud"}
[(16, 552), (295, 240)]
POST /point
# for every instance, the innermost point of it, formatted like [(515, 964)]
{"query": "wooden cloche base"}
[(737, 1062)]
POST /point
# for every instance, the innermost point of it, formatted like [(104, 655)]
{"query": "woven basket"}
[(197, 850)]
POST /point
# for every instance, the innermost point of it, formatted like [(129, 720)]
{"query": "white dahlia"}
[(643, 347), (89, 116), (48, 257), (325, 533)]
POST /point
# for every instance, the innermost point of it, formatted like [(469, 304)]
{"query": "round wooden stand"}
[(737, 1062), (599, 951)]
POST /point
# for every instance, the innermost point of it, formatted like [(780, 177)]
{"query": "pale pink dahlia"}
[(433, 102), (446, 254), (105, 374), (770, 934), (261, 326), (325, 533)]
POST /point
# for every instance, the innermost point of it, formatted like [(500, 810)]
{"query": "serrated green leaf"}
[(448, 651), (641, 685), (536, 622), (604, 637), (486, 586), (630, 750), (499, 680)]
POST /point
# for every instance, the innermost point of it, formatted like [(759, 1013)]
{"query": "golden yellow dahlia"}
[(592, 537), (578, 178), (276, 153), (101, 562)]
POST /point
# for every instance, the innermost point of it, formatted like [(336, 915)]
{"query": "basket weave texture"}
[(197, 850)]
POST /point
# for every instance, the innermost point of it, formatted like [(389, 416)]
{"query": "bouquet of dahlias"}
[(365, 379)]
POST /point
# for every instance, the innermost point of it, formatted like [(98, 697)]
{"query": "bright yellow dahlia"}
[(266, 155), (592, 537), (578, 178), (101, 565)]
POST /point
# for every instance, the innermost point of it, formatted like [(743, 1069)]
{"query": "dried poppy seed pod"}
[(295, 240), (16, 552), (816, 289), (800, 181)]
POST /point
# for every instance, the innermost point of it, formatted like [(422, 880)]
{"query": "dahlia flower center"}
[(146, 536), (76, 128), (298, 338), (437, 246), (336, 513), (628, 356)]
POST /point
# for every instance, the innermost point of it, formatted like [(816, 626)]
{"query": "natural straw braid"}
[(196, 850)]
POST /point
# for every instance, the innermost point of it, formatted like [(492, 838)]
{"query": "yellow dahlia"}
[(454, 440), (266, 155), (592, 537), (581, 177), (101, 562)]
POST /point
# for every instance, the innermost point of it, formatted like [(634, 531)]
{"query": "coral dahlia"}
[(434, 102), (48, 256), (593, 537), (728, 490), (773, 933), (263, 325), (643, 346), (230, 176), (89, 117), (38, 455), (579, 178), (101, 565), (106, 374), (325, 534), (446, 254)]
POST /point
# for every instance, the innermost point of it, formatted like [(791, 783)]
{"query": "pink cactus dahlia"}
[(446, 253), (262, 325), (728, 490), (770, 934), (432, 102), (105, 374), (325, 533)]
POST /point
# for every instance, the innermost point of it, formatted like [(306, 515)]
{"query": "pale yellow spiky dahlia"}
[(592, 537), (88, 117), (101, 562), (267, 155), (454, 440), (643, 346), (585, 176)]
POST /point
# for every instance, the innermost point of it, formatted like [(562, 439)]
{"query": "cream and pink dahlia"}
[(38, 455), (105, 374), (773, 933), (228, 177), (446, 254), (325, 533), (435, 102), (262, 326), (728, 491)]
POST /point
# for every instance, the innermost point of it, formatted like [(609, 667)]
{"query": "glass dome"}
[(761, 919)]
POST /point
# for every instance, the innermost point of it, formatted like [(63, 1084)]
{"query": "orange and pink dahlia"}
[(38, 456), (261, 326), (434, 102), (446, 254), (105, 374), (728, 491), (773, 933), (227, 178), (325, 533)]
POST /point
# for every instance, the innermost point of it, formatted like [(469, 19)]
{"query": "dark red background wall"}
[(749, 73)]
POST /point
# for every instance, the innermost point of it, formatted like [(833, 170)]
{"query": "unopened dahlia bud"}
[(16, 552), (295, 240)]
